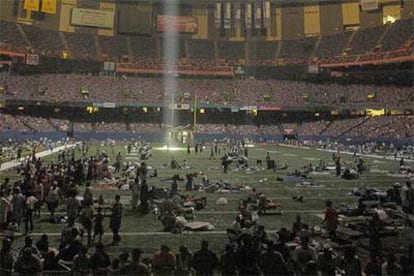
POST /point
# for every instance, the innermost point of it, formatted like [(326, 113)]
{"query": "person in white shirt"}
[(31, 201)]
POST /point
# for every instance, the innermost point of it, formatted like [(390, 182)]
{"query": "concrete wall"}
[(331, 19), (292, 22), (371, 18)]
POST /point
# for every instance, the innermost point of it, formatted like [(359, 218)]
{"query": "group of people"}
[(251, 252)]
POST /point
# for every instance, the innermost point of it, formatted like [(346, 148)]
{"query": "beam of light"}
[(170, 56)]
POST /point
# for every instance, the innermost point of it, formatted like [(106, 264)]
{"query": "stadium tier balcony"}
[(210, 128), (368, 127), (82, 127), (233, 52), (147, 52), (181, 48), (332, 45), (399, 33), (68, 88), (25, 123), (202, 64), (45, 42), (312, 128), (365, 40), (113, 48), (269, 130), (384, 126), (10, 35), (261, 53), (12, 123), (110, 127), (82, 46), (143, 46), (145, 128), (36, 123), (300, 49), (59, 124), (203, 49)]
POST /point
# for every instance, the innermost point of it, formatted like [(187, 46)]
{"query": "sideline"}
[(348, 153), (14, 163)]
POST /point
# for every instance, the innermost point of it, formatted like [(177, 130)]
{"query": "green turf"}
[(220, 216)]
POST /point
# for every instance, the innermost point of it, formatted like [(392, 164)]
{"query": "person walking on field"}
[(98, 229), (116, 218), (331, 219)]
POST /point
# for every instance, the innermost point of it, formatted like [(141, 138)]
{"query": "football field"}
[(146, 232)]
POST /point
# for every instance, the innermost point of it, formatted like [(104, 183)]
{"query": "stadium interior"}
[(274, 77)]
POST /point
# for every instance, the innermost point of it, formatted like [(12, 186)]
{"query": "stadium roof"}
[(282, 2)]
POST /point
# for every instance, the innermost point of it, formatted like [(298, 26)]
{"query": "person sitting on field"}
[(253, 196), (136, 266), (164, 260)]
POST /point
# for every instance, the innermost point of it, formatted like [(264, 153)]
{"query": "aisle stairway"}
[(21, 31), (360, 123)]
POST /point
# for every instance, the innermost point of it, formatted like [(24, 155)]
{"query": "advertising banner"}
[(217, 16), (31, 5), (181, 24), (49, 6), (270, 107)]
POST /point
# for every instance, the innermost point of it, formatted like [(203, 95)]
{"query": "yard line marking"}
[(151, 233), (311, 158), (219, 212)]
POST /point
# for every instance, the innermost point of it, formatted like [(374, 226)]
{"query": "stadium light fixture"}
[(389, 19)]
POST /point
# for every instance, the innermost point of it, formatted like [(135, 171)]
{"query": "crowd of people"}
[(250, 249), (251, 255)]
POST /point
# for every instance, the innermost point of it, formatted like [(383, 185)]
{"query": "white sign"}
[(32, 59), (93, 18)]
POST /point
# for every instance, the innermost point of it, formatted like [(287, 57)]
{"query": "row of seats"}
[(370, 127), (88, 88), (89, 46)]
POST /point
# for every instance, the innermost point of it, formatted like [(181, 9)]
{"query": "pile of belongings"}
[(370, 194), (266, 205), (308, 184), (224, 187), (294, 177), (185, 205), (349, 174), (177, 224), (145, 151)]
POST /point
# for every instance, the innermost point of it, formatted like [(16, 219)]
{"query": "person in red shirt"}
[(331, 219), (164, 260)]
